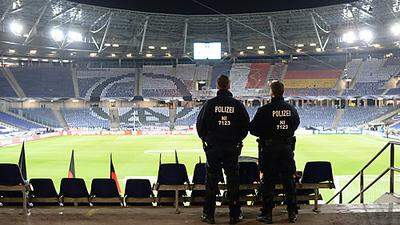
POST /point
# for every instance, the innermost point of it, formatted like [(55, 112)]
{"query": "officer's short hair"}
[(223, 82), (277, 88)]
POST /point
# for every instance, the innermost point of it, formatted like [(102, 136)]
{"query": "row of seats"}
[(18, 122), (73, 191)]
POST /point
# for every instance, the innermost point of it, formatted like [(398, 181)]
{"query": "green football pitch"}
[(136, 156)]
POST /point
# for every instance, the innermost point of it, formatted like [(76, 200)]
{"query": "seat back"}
[(10, 175), (172, 173), (138, 188), (73, 188), (317, 172), (43, 188), (200, 174), (248, 172), (104, 188)]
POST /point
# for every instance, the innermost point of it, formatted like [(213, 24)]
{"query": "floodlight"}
[(395, 29), (366, 35), (74, 36), (349, 37), (16, 28), (57, 34)]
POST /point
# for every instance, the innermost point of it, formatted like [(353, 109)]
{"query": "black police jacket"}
[(223, 120), (276, 121)]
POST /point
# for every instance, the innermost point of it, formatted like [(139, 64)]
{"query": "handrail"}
[(361, 172)]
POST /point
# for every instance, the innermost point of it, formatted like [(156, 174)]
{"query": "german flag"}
[(113, 174), (71, 171), (22, 162)]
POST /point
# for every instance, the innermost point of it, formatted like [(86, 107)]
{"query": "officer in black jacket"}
[(275, 124), (222, 125)]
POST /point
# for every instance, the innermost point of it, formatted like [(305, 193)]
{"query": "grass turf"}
[(139, 155)]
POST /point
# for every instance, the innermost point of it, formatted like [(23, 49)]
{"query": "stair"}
[(114, 118), (60, 118), (385, 117), (13, 82), (388, 198), (75, 82), (338, 117)]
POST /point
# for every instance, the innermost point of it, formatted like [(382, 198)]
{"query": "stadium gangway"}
[(256, 186), (392, 169)]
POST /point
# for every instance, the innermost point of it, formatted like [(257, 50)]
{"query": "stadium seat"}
[(199, 178), (248, 174), (73, 191), (138, 192), (104, 191), (44, 193), (13, 188), (316, 172), (172, 174)]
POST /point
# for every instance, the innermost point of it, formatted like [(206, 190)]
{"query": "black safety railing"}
[(363, 188)]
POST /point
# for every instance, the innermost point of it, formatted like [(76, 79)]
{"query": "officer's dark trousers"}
[(227, 158), (278, 167)]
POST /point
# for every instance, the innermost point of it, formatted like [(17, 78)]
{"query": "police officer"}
[(222, 125), (275, 124)]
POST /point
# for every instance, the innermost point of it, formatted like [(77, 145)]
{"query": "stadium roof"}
[(120, 33), (204, 7)]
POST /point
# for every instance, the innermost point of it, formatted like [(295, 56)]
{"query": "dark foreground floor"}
[(330, 214)]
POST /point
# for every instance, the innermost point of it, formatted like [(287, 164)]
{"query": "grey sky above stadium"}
[(194, 7)]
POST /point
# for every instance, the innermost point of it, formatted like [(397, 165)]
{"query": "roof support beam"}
[(144, 35), (228, 35), (6, 12), (271, 26), (33, 29), (185, 36), (62, 12), (105, 33), (316, 31)]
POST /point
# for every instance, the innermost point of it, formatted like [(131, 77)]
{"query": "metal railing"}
[(391, 169)]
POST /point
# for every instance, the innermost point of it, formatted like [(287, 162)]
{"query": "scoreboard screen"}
[(211, 50)]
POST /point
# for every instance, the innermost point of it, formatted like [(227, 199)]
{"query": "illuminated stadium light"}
[(313, 44), (55, 60), (57, 35), (149, 55), (299, 50), (163, 48), (74, 36), (45, 60), (168, 54), (318, 49), (75, 100), (377, 46), (107, 45), (129, 55), (66, 61), (113, 55), (261, 47), (11, 51), (115, 45), (241, 53), (260, 52), (24, 59), (93, 54), (249, 47), (14, 58), (300, 45), (395, 29), (35, 60), (349, 37), (280, 51), (366, 35), (32, 51), (16, 28), (225, 54), (151, 47)]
